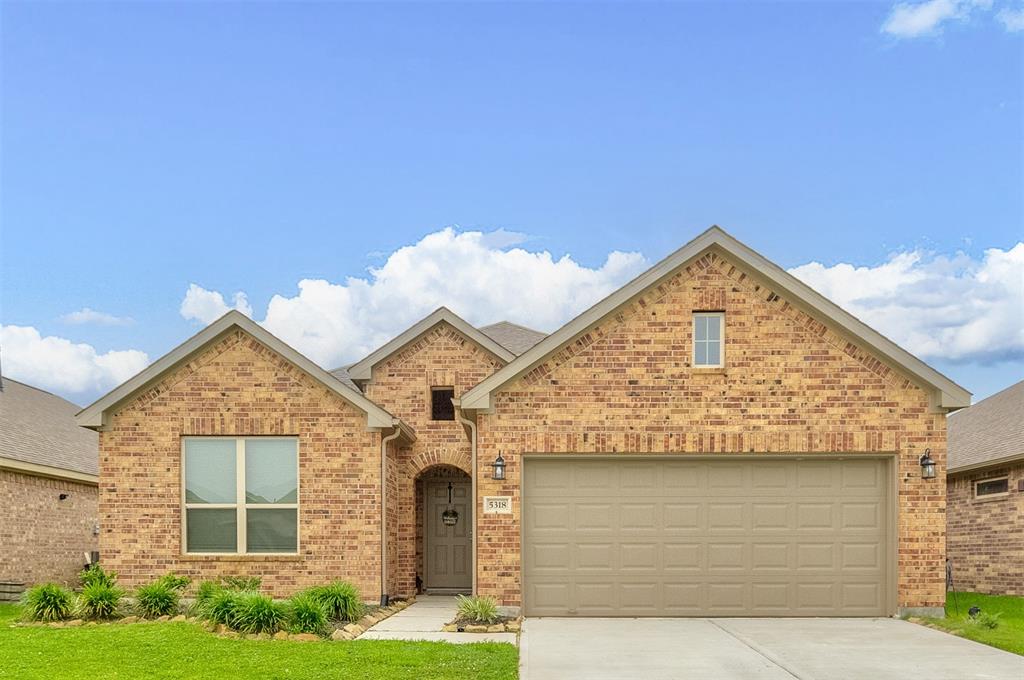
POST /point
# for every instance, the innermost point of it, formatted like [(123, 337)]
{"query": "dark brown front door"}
[(448, 547)]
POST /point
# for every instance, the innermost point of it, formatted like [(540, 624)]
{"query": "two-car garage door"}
[(699, 537)]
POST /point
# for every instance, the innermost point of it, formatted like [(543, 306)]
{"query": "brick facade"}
[(790, 385), (402, 383), (238, 386), (985, 537), (45, 538)]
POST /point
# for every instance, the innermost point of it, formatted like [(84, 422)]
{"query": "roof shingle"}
[(990, 431), (513, 337), (39, 427)]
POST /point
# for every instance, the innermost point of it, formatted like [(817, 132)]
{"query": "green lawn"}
[(1009, 635), (184, 650)]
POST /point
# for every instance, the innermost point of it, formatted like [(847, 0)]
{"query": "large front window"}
[(241, 495)]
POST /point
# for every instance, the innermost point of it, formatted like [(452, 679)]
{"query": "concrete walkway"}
[(423, 620), (754, 649)]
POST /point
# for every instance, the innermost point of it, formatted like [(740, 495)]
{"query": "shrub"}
[(248, 584), (48, 602), (220, 607), (307, 614), (175, 582), (205, 592), (255, 613), (340, 599), (99, 600), (478, 609), (986, 620), (156, 599), (94, 574)]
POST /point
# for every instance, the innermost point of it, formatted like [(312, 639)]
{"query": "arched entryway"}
[(444, 547)]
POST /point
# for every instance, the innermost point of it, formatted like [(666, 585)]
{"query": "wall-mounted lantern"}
[(450, 516), (499, 467), (927, 465)]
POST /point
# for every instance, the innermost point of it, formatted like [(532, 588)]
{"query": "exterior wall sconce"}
[(927, 465), (499, 467), (450, 516)]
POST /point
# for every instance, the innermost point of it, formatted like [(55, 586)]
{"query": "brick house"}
[(714, 438), (48, 488), (985, 492)]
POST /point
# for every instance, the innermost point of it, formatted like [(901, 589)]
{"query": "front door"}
[(447, 547)]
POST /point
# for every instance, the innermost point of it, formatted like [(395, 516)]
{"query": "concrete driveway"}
[(754, 649)]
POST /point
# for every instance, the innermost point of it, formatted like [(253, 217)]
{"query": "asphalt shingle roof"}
[(513, 337), (39, 427), (991, 430)]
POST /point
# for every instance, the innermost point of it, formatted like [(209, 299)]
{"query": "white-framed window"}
[(709, 339), (992, 488), (240, 495)]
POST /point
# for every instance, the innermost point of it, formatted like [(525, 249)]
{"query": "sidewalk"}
[(423, 621)]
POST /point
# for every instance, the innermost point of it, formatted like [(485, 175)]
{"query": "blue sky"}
[(250, 147)]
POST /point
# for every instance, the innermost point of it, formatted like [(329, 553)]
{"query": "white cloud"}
[(206, 306), (913, 20), (937, 307), (56, 363), (1012, 19), (476, 275), (90, 316)]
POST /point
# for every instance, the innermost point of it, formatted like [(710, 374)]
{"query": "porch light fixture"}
[(499, 467), (927, 465), (450, 516)]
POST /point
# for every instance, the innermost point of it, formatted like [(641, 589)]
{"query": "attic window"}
[(441, 407), (708, 337)]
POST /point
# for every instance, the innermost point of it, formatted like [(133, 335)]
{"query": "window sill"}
[(990, 498), (251, 557), (709, 370)]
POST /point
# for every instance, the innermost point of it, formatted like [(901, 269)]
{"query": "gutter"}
[(472, 481), (995, 462), (384, 597)]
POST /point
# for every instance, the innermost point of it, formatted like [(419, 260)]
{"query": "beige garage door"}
[(673, 537)]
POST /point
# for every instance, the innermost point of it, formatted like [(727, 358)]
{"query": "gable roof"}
[(94, 415), (988, 433), (38, 434), (946, 392), (362, 370), (517, 339)]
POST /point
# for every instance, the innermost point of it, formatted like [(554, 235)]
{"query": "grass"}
[(1008, 635), (184, 650)]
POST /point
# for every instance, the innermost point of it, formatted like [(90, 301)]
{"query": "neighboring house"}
[(714, 438), (48, 479), (985, 492)]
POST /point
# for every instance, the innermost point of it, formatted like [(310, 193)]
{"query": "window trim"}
[(241, 508), (721, 339), (992, 496), (441, 388)]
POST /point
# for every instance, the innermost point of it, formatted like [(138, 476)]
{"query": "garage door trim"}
[(891, 521)]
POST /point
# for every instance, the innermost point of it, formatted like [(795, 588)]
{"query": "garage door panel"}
[(682, 517), (595, 557), (778, 537), (727, 517), (769, 517), (546, 517), (683, 557), (592, 516)]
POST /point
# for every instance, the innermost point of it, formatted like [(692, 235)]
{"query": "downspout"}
[(384, 513), (472, 482)]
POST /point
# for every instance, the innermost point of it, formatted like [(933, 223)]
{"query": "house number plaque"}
[(497, 505)]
